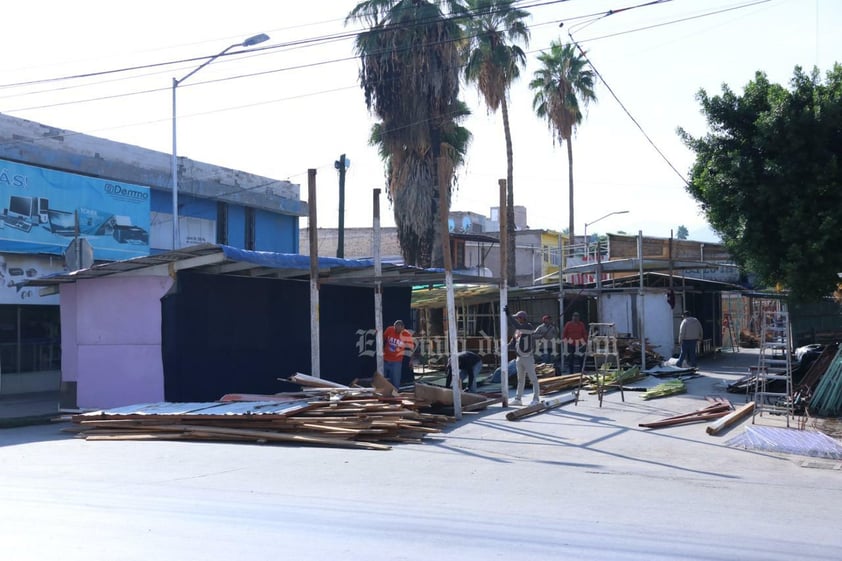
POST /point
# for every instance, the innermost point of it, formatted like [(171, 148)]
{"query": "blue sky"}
[(296, 104)]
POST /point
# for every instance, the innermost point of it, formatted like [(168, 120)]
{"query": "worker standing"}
[(689, 333), (525, 350)]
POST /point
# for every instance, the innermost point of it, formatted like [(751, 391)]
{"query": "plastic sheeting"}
[(788, 441)]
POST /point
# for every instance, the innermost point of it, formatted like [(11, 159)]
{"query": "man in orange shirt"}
[(394, 344), (574, 336)]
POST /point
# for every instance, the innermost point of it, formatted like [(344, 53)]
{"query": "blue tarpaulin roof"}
[(290, 260)]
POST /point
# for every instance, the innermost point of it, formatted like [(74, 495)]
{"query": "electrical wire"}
[(590, 18), (611, 90)]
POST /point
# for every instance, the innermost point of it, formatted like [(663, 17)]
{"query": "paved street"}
[(578, 482)]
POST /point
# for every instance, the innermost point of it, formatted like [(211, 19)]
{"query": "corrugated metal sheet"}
[(226, 260), (206, 408)]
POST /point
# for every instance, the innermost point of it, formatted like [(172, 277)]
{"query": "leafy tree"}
[(410, 66), (563, 86), (682, 232), (768, 177), (493, 60)]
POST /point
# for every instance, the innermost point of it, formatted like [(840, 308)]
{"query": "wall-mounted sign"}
[(15, 270), (191, 230), (41, 210)]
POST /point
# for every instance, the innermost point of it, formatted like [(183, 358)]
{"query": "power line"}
[(611, 91), (311, 41)]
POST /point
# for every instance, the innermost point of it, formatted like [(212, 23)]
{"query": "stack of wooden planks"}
[(555, 384), (327, 416)]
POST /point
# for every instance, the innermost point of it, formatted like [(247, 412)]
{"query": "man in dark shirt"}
[(470, 365)]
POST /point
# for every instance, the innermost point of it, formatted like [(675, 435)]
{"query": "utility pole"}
[(341, 164)]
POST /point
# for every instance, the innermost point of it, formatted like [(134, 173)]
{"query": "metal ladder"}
[(774, 365), (601, 344)]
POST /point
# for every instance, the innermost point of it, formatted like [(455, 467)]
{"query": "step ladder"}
[(601, 348), (773, 381)]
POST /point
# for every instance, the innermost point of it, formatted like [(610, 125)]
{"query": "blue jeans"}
[(574, 354), (393, 371), (688, 351), (471, 375)]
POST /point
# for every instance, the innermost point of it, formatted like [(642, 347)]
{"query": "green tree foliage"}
[(410, 67), (563, 86), (682, 232), (494, 58), (768, 178)]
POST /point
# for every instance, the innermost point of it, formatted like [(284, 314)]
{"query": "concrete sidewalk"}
[(26, 408)]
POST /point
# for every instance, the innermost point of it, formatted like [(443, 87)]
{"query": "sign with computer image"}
[(42, 210)]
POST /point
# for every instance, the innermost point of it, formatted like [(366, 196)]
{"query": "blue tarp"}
[(290, 260)]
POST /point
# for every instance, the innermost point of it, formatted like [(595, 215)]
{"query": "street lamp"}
[(251, 41), (591, 223)]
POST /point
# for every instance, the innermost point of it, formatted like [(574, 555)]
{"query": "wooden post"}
[(731, 418), (642, 305), (444, 209), (504, 297), (314, 274), (378, 289)]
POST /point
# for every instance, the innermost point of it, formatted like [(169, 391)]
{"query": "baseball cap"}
[(545, 316), (520, 314)]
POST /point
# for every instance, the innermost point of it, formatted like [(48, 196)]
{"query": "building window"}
[(551, 255), (221, 222), (249, 237), (30, 339)]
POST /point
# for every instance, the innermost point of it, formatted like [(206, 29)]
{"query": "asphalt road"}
[(578, 482)]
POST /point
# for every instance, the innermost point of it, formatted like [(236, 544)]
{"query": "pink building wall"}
[(111, 339)]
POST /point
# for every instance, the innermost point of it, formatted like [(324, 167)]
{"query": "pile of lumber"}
[(630, 353), (555, 384), (326, 415)]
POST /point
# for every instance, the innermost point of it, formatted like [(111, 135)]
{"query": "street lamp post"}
[(251, 41), (587, 241)]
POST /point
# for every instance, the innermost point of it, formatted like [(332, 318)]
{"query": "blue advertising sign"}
[(41, 210)]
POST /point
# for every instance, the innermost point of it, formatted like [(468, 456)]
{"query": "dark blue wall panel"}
[(238, 335)]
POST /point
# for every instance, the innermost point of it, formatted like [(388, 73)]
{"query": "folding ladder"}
[(773, 382), (601, 347)]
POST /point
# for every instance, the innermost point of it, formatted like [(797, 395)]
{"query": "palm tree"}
[(563, 86), (493, 62), (410, 61), (454, 145)]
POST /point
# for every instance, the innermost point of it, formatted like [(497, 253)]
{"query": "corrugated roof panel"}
[(207, 408)]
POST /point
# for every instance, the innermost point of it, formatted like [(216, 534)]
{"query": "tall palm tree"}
[(454, 145), (494, 59), (410, 65), (563, 86)]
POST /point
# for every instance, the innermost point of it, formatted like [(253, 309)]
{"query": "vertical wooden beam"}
[(504, 297), (378, 288), (314, 275), (444, 209)]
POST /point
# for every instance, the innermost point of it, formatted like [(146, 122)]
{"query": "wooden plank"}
[(541, 406), (482, 404), (730, 419), (684, 420), (713, 411), (275, 436), (312, 381)]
